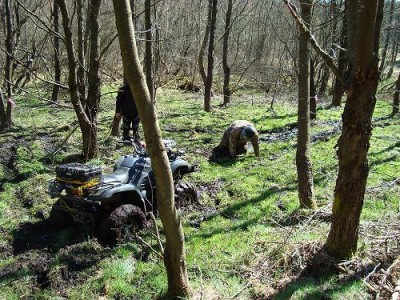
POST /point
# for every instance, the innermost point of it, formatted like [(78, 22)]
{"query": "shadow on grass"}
[(231, 212), (319, 269), (25, 135), (313, 288), (387, 149), (224, 161), (42, 235), (222, 157), (384, 161)]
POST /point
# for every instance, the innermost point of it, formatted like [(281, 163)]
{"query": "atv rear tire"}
[(185, 195), (120, 224), (59, 219)]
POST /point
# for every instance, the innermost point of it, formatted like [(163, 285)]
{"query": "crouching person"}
[(235, 139)]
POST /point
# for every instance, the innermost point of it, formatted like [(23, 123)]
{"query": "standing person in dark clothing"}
[(126, 108)]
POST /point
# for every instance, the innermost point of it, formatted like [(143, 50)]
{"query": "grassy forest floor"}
[(247, 239)]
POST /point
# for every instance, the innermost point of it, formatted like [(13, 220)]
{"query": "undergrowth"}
[(244, 241)]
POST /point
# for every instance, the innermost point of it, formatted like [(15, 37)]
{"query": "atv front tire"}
[(59, 219), (185, 195), (120, 224)]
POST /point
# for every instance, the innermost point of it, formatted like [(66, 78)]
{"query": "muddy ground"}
[(36, 249)]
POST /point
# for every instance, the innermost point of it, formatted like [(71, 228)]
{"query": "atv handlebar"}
[(139, 148)]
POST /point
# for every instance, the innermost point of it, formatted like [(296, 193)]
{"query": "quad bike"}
[(116, 204)]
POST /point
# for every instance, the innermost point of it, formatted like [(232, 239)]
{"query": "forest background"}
[(273, 248)]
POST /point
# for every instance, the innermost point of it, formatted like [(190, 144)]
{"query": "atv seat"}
[(119, 175)]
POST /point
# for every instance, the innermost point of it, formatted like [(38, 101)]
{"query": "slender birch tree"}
[(174, 254), (303, 158)]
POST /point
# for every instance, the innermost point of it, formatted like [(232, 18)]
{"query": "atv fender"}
[(182, 166), (126, 193), (118, 189)]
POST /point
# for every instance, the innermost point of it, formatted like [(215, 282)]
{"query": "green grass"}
[(313, 289), (241, 251)]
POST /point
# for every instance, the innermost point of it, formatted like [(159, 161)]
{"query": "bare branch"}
[(325, 56), (18, 62), (107, 46), (35, 19)]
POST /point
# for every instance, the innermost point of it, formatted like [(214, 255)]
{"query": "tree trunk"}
[(378, 26), (303, 160), (9, 56), (174, 255), (204, 45), (210, 63), (313, 91), (227, 70), (156, 52), (148, 60), (25, 76), (354, 141), (338, 89), (333, 17), (93, 98), (324, 80), (83, 119), (395, 49), (81, 54), (115, 126), (395, 109), (57, 63), (2, 112), (387, 38)]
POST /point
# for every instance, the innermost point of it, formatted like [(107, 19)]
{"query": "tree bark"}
[(57, 63), (81, 54), (378, 26), (313, 91), (2, 112), (156, 53), (227, 70), (25, 76), (387, 38), (115, 126), (9, 56), (395, 48), (174, 255), (210, 63), (88, 136), (303, 160), (203, 47), (148, 60), (354, 141), (338, 89), (93, 96), (395, 109), (334, 18), (324, 80)]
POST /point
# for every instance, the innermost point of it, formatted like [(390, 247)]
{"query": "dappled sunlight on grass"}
[(248, 222)]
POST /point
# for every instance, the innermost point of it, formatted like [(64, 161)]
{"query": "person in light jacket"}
[(236, 138)]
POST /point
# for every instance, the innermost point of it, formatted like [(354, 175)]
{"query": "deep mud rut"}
[(36, 250), (8, 152), (290, 133)]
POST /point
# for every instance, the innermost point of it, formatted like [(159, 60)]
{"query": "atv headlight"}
[(55, 188)]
